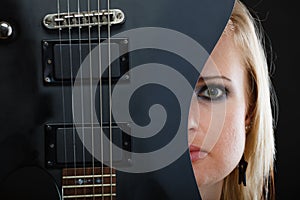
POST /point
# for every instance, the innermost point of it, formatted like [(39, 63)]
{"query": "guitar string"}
[(100, 98), (81, 95), (91, 97), (62, 90), (110, 98), (71, 84)]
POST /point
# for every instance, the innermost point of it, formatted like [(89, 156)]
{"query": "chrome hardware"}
[(83, 19), (5, 30)]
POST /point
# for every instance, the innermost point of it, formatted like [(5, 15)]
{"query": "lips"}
[(196, 153)]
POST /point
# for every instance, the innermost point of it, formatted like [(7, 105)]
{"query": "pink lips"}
[(196, 153)]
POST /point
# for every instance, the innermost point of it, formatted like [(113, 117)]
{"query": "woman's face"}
[(218, 115)]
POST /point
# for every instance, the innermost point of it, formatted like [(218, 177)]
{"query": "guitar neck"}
[(98, 183)]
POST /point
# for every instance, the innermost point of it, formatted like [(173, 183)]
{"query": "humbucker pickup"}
[(83, 19)]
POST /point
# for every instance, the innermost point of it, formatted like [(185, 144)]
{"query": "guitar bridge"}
[(83, 19)]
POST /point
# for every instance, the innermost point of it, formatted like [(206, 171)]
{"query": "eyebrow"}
[(204, 78)]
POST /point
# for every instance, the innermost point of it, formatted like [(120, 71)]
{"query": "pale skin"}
[(217, 118)]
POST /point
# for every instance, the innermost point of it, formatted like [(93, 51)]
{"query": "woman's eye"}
[(212, 92)]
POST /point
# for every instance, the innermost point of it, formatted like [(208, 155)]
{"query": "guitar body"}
[(39, 66)]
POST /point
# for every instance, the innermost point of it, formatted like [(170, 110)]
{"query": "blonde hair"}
[(260, 145)]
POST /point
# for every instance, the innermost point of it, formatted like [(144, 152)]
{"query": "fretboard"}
[(89, 183)]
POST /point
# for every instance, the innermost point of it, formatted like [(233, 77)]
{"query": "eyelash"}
[(203, 92)]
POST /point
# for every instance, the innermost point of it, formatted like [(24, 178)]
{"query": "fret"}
[(94, 185), (89, 195), (89, 176), (89, 190)]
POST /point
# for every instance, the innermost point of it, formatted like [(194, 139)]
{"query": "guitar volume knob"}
[(6, 30)]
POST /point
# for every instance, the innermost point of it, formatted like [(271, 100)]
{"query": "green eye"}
[(212, 92)]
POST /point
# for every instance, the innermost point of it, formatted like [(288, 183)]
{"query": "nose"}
[(194, 115)]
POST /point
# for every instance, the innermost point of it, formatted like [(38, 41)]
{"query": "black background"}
[(280, 20)]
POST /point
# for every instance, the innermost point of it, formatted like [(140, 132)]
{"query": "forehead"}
[(225, 59)]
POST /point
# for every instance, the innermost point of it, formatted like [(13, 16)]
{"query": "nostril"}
[(192, 132), (192, 129), (192, 123)]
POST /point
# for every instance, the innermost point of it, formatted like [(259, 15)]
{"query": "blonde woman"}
[(235, 87)]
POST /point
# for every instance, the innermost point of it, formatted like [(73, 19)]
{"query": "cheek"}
[(232, 139), (230, 146), (225, 151), (213, 119), (223, 127)]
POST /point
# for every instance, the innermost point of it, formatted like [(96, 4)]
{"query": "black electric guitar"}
[(95, 96)]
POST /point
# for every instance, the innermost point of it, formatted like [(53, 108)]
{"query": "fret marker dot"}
[(98, 181), (80, 181)]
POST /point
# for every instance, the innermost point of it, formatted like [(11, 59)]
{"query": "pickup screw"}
[(5, 30), (47, 79), (126, 77), (49, 128)]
